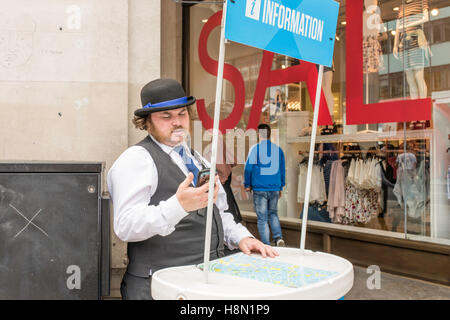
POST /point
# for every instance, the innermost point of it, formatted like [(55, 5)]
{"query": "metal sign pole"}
[(311, 159), (214, 144)]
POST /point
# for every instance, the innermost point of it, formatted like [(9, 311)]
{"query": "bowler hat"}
[(162, 94)]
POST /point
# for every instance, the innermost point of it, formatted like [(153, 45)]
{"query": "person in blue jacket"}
[(264, 175)]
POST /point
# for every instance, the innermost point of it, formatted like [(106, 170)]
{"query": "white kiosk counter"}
[(291, 275)]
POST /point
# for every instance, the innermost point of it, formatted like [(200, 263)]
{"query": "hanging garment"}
[(316, 213), (375, 175), (406, 160), (386, 186), (326, 174), (328, 156), (365, 174), (411, 188), (360, 204), (362, 191), (320, 195), (352, 172), (317, 190), (303, 170), (392, 162), (336, 192)]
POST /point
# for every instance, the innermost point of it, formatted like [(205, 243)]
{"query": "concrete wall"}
[(144, 52), (64, 74), (171, 44), (70, 79)]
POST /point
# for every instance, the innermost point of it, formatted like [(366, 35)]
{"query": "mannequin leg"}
[(421, 84), (413, 90), (326, 85)]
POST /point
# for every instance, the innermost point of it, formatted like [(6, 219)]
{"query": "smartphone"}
[(203, 177)]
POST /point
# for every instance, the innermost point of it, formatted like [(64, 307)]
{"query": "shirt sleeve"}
[(132, 181)]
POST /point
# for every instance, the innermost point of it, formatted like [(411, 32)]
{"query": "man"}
[(264, 174), (157, 208), (225, 161)]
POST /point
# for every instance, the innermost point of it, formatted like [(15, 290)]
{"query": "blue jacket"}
[(265, 167)]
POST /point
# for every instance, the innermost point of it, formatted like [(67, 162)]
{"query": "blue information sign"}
[(302, 29)]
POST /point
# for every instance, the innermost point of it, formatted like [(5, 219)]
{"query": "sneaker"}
[(280, 243)]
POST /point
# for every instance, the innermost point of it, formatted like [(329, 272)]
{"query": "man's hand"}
[(248, 189), (280, 194), (191, 198), (247, 245)]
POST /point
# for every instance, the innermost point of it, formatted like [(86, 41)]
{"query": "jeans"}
[(266, 210), (317, 214)]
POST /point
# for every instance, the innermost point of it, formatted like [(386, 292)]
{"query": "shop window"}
[(437, 33), (396, 85), (401, 148), (447, 31), (447, 73), (427, 79), (438, 81), (384, 87), (385, 47)]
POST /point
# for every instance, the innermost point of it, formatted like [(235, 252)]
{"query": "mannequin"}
[(326, 86), (372, 27), (411, 46), (327, 81), (278, 100)]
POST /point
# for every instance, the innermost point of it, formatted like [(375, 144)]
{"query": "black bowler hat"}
[(162, 94)]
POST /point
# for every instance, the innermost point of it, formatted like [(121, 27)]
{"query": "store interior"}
[(382, 176)]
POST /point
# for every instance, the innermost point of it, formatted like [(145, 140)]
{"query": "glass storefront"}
[(381, 165)]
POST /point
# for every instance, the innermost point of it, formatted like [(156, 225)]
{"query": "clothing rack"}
[(363, 151)]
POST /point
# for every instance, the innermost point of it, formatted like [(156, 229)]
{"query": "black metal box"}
[(54, 231)]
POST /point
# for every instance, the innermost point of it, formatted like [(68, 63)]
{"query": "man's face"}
[(169, 127), (262, 134)]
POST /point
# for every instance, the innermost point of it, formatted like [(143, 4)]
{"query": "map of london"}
[(270, 271)]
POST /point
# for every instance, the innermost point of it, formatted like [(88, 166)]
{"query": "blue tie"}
[(188, 162)]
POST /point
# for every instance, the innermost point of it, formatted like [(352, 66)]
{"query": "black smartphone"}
[(203, 177)]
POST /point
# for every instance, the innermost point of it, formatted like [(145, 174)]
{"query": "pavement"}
[(389, 287), (393, 287)]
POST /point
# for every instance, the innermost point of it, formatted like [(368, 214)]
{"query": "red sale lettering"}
[(305, 71), (229, 72), (357, 111)]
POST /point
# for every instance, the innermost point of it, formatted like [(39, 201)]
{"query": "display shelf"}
[(361, 137)]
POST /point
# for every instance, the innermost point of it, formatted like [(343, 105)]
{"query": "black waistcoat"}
[(184, 246)]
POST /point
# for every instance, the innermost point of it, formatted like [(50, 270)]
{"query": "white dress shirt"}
[(132, 181)]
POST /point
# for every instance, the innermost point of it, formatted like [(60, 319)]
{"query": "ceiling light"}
[(434, 12), (344, 23), (205, 20), (396, 8), (393, 32)]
